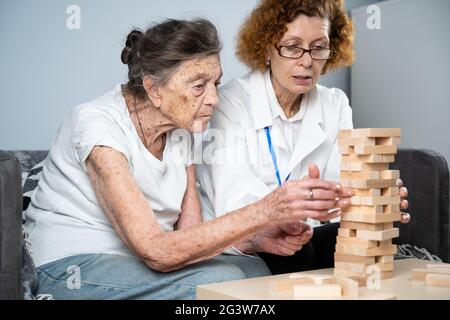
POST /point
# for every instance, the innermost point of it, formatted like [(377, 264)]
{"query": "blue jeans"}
[(107, 276)]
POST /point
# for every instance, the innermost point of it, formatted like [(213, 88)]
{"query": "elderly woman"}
[(116, 214), (289, 124)]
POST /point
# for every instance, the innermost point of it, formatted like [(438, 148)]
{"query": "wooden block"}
[(367, 252), (386, 149), (387, 141), (347, 150), (385, 243), (363, 209), (389, 174), (361, 166), (438, 266), (344, 142), (388, 225), (378, 235), (384, 259), (350, 287), (437, 280), (388, 158), (418, 274), (368, 192), (367, 183), (360, 242), (363, 226), (368, 158), (317, 279), (387, 192), (346, 233), (370, 218), (375, 201), (370, 132), (360, 175), (305, 291), (342, 257), (361, 279), (279, 285), (362, 268)]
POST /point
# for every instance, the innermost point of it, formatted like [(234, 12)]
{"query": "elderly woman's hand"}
[(405, 218), (284, 240)]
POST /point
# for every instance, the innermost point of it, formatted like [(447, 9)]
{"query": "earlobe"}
[(152, 91)]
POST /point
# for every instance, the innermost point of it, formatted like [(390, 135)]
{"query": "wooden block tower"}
[(364, 241)]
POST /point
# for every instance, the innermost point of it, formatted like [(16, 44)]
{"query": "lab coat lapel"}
[(312, 134)]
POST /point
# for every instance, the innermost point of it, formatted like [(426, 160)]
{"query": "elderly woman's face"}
[(300, 75), (190, 96)]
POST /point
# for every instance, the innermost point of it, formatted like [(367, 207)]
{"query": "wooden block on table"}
[(386, 149), (342, 257), (367, 252), (350, 287), (419, 274), (361, 166), (317, 279), (438, 266), (363, 226), (367, 183), (388, 192), (305, 291), (437, 279), (359, 242), (370, 218), (279, 285), (378, 235), (374, 201), (370, 132)]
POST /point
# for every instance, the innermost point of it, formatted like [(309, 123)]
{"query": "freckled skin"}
[(189, 107)]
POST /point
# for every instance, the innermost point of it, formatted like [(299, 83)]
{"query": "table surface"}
[(400, 285)]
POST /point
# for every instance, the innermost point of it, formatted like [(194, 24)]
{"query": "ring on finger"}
[(311, 194)]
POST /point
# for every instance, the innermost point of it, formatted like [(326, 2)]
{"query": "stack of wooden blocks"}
[(364, 243)]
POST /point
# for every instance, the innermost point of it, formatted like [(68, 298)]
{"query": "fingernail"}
[(338, 186)]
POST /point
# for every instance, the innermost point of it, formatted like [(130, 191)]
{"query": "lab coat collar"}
[(262, 111)]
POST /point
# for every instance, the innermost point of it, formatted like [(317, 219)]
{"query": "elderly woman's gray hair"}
[(159, 51)]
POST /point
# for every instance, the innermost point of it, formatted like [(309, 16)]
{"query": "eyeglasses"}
[(295, 52)]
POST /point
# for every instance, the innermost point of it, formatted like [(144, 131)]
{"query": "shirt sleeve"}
[(94, 128)]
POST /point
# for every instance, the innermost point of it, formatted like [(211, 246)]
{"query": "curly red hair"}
[(266, 26)]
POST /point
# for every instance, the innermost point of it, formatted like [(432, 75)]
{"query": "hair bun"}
[(130, 46)]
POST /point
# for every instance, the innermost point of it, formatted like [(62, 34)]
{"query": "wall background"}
[(46, 69)]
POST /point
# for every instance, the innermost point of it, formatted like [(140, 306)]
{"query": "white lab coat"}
[(237, 169)]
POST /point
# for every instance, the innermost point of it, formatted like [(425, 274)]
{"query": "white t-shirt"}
[(65, 217), (243, 170)]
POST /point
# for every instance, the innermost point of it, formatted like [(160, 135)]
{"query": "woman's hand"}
[(404, 204)]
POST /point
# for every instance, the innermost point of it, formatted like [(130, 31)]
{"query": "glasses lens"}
[(321, 54), (291, 52)]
